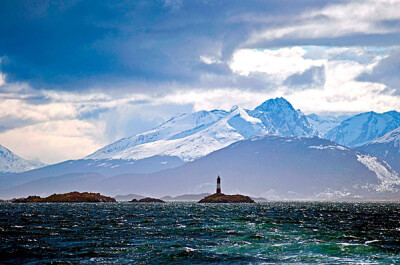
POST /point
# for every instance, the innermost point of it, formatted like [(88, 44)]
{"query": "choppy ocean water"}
[(189, 233)]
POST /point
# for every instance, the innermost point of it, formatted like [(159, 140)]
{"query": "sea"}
[(191, 233)]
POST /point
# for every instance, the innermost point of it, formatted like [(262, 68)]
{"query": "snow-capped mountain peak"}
[(12, 163), (187, 137), (178, 127), (279, 117), (190, 136), (274, 105)]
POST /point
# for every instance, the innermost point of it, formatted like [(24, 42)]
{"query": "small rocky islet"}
[(223, 198), (67, 197), (219, 197), (148, 199)]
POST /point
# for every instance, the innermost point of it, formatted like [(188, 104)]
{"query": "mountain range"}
[(191, 136), (272, 167), (195, 135), (359, 151)]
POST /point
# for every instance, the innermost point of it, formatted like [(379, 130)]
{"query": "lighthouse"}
[(218, 185)]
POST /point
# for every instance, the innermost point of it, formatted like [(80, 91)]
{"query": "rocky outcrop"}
[(148, 199), (68, 197), (222, 198)]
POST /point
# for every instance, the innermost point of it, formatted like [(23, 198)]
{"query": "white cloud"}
[(354, 97), (209, 59), (340, 92), (278, 64), (343, 93), (54, 141), (219, 98), (19, 109), (2, 79), (336, 20), (2, 76)]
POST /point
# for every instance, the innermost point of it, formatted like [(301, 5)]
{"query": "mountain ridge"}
[(364, 127), (387, 147), (272, 167), (12, 163), (191, 136)]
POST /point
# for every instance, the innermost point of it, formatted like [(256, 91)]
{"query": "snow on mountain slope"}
[(235, 126), (11, 163), (387, 177), (386, 147), (323, 124), (364, 127), (195, 135), (180, 126), (245, 125), (279, 117)]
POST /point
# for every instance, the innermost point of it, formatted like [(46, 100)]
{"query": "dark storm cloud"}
[(3, 128), (387, 72), (10, 122), (313, 77), (82, 44)]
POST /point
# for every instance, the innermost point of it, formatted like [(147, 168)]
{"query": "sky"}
[(78, 75)]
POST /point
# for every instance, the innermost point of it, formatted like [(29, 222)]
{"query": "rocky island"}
[(219, 197), (222, 198), (148, 199), (67, 197)]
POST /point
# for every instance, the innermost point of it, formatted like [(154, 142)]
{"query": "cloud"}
[(322, 79), (344, 92), (54, 141), (387, 72), (174, 5), (313, 77), (155, 46), (2, 79), (142, 46), (336, 20), (278, 64)]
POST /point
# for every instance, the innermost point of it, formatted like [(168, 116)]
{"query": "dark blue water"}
[(188, 233)]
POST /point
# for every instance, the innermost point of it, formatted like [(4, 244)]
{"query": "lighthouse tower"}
[(218, 185)]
